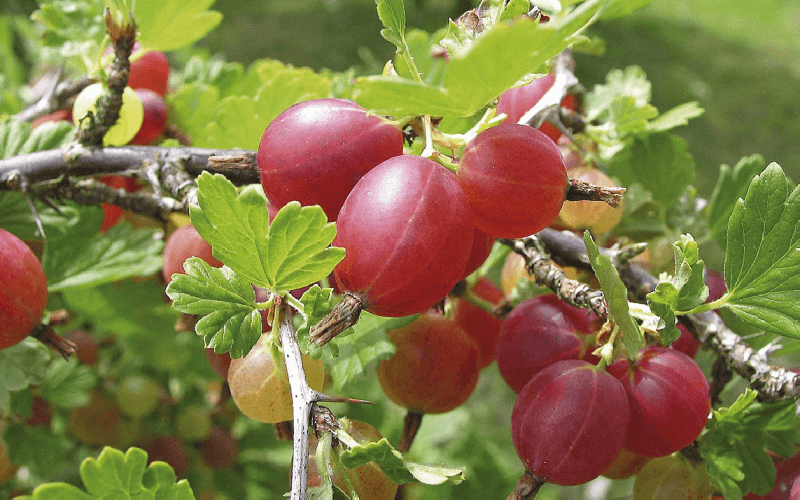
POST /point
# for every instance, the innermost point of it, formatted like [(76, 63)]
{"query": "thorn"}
[(319, 397), (36, 217)]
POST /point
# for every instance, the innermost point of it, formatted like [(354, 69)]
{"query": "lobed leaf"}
[(16, 217), (117, 475), (734, 448), (392, 14), (231, 321), (21, 366), (762, 259), (67, 384), (290, 254), (17, 138), (616, 295)]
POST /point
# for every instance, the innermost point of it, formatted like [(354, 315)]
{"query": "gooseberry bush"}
[(220, 281)]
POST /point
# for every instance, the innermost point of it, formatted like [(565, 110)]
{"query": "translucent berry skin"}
[(538, 333), (185, 242), (169, 449), (155, 117), (435, 368), (407, 231), (23, 290), (515, 180), (316, 151), (569, 422), (482, 327), (686, 343), (149, 71), (669, 400), (670, 478), (481, 248)]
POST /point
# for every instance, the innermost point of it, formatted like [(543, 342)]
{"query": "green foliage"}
[(66, 384), (37, 447), (393, 16), (762, 261), (85, 257), (231, 322), (734, 447), (21, 366), (290, 253), (72, 28), (18, 137), (616, 296), (395, 466), (114, 475), (16, 217), (731, 185), (172, 24), (682, 292)]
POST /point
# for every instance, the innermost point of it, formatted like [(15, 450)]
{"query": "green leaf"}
[(397, 468), (67, 384), (419, 44), (21, 366), (317, 303), (675, 117), (361, 351), (291, 253), (114, 475), (478, 73), (126, 309), (734, 447), (192, 107), (85, 257), (392, 14), (660, 162), (231, 321), (35, 447), (18, 137), (75, 28), (616, 295), (762, 259), (16, 217), (731, 185), (680, 293), (173, 24)]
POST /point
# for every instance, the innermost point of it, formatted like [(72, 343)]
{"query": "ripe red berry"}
[(149, 71), (23, 290), (407, 230), (538, 333), (435, 368), (669, 400), (517, 101), (185, 242), (316, 151), (155, 117), (569, 422), (482, 327), (514, 179)]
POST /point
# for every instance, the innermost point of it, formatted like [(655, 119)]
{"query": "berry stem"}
[(527, 487), (411, 424)]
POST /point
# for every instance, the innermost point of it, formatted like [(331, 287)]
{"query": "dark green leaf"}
[(35, 447), (616, 296), (16, 217), (762, 260), (67, 383), (731, 185), (21, 366), (85, 257), (660, 162), (231, 321), (18, 137)]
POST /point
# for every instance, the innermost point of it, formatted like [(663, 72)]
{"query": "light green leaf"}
[(74, 27), (675, 117), (317, 302), (392, 14), (731, 185), (762, 259), (231, 322), (291, 253), (172, 24), (21, 366), (85, 257), (398, 468), (682, 292), (616, 295)]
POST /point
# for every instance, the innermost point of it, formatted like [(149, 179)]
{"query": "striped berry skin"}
[(23, 290)]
